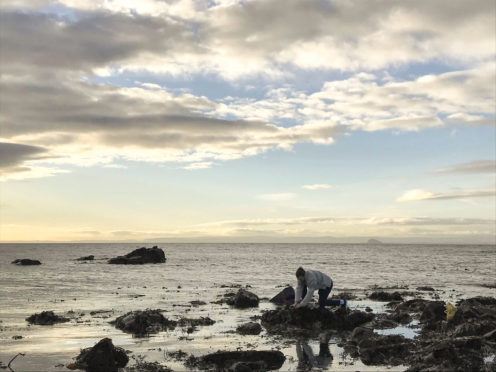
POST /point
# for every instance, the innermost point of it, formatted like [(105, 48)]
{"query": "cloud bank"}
[(52, 60)]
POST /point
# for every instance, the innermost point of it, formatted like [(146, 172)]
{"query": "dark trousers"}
[(323, 294)]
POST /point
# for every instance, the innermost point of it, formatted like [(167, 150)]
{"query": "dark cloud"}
[(50, 42), (12, 155)]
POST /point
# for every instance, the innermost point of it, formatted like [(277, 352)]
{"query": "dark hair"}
[(300, 272)]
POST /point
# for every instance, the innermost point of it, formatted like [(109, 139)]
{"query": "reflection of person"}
[(308, 360), (308, 282)]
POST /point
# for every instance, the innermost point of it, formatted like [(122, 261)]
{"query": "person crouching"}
[(308, 282)]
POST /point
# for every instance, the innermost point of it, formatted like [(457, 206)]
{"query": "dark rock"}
[(192, 322), (197, 303), (430, 289), (142, 323), (478, 301), (473, 329), (86, 258), (399, 316), (148, 367), (259, 360), (413, 306), (243, 299), (383, 323), (25, 262), (103, 357), (140, 256), (177, 355), (46, 318), (433, 312), (386, 296), (286, 319), (375, 349), (452, 354), (285, 297), (251, 328), (368, 309)]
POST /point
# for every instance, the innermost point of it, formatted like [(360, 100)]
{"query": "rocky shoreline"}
[(257, 331)]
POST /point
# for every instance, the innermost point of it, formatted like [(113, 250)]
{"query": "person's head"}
[(300, 274)]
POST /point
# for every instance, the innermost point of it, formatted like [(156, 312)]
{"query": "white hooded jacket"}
[(313, 280)]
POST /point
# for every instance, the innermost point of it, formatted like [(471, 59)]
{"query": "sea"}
[(205, 272)]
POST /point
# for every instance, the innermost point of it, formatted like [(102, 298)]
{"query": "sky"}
[(248, 121)]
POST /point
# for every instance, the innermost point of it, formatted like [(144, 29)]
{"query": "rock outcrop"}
[(253, 360), (25, 262), (103, 357), (386, 296), (140, 256), (86, 258), (251, 328), (285, 297), (291, 321), (46, 318), (243, 299), (375, 349), (143, 323)]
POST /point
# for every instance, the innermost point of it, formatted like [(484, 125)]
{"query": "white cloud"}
[(199, 165), (365, 102), (277, 197), (239, 38), (318, 186), (48, 99), (473, 167), (419, 194)]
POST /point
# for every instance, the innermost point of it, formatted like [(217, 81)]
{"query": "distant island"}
[(374, 241)]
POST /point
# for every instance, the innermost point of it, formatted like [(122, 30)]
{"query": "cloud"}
[(318, 186), (20, 161), (277, 197), (50, 61), (89, 41), (473, 167), (200, 165), (85, 123), (14, 154), (419, 194), (365, 101), (239, 38)]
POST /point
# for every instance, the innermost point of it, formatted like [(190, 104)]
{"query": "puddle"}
[(408, 331), (489, 359)]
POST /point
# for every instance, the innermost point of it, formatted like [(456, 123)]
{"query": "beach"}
[(93, 293)]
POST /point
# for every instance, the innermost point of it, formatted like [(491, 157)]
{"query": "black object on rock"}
[(285, 297), (25, 262), (46, 318), (251, 328), (253, 360), (243, 299), (103, 357), (142, 323), (140, 256)]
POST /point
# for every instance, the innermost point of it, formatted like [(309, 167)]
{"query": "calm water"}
[(62, 284)]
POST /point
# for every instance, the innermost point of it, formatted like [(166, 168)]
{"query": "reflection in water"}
[(307, 360)]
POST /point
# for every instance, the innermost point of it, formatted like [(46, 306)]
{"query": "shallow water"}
[(62, 284)]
